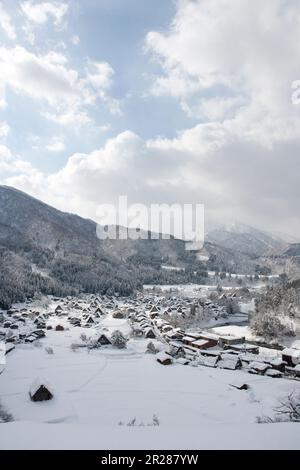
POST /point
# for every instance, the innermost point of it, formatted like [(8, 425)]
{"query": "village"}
[(142, 361), (154, 318)]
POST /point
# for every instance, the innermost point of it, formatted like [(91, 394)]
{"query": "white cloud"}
[(227, 59), (99, 75), (75, 40), (43, 77), (49, 79), (205, 164), (73, 118), (4, 129), (105, 128), (6, 23), (230, 64), (29, 33), (17, 172), (40, 13), (56, 145)]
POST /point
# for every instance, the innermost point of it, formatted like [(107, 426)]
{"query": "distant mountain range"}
[(293, 250), (45, 250), (246, 239)]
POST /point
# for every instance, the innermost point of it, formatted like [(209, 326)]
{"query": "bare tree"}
[(289, 407)]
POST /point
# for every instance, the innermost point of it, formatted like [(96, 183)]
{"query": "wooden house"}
[(59, 328), (104, 340), (291, 356), (149, 333), (40, 391), (164, 358)]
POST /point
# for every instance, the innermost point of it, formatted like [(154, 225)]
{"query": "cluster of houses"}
[(27, 324), (208, 348), (150, 317), (228, 352)]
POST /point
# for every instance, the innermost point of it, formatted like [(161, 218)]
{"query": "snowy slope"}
[(96, 390)]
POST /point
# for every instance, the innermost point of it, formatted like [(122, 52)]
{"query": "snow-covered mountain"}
[(245, 239), (45, 250)]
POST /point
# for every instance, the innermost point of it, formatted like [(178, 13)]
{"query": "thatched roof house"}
[(40, 390), (104, 340)]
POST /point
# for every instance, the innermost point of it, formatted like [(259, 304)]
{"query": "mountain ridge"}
[(36, 238)]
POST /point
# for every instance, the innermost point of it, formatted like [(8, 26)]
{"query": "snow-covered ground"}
[(96, 390), (188, 290)]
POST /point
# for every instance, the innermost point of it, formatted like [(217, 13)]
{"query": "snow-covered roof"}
[(188, 338), (296, 344), (261, 366), (162, 356), (199, 342), (273, 373), (207, 361), (209, 335), (37, 383), (291, 352)]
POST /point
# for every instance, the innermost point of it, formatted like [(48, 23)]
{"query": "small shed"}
[(90, 320), (40, 390), (207, 361), (164, 358), (229, 361), (154, 309), (273, 373), (228, 340), (119, 314), (259, 368), (99, 312), (59, 328), (149, 333), (291, 356), (201, 344), (243, 347), (210, 337), (104, 340)]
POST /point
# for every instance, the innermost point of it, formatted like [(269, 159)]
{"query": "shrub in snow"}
[(5, 417), (74, 347), (93, 344), (9, 334), (118, 339), (38, 344), (266, 324), (49, 350), (151, 349), (155, 420), (133, 422), (288, 410), (83, 337)]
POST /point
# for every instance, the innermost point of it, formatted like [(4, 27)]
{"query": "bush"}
[(49, 350), (5, 417), (266, 325), (288, 410), (151, 349), (118, 340)]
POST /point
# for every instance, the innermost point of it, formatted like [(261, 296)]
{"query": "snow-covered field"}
[(95, 391)]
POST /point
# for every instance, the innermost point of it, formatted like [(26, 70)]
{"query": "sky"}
[(187, 101)]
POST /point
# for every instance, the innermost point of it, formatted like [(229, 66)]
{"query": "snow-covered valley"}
[(125, 399)]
